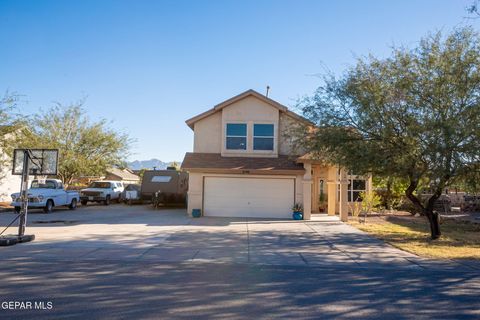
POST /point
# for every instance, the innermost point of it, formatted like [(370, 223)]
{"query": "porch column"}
[(332, 190), (343, 201), (307, 191), (369, 183)]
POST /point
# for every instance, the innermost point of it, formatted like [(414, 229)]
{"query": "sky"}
[(147, 66)]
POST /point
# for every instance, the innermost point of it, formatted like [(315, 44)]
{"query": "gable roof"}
[(190, 122), (123, 174)]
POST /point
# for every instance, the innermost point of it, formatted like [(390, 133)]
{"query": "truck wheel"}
[(107, 201), (17, 209), (84, 202), (73, 204), (48, 207)]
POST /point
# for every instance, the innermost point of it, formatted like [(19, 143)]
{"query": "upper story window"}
[(263, 137), (236, 136)]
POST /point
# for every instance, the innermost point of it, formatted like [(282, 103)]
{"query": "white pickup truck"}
[(102, 191), (47, 195)]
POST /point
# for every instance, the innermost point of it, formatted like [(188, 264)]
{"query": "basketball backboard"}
[(41, 161)]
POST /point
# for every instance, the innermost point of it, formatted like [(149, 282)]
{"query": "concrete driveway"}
[(134, 262), (139, 233)]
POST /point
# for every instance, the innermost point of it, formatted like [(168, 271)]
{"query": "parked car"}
[(47, 195), (101, 191)]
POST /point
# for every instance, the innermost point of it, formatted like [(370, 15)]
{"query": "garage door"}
[(249, 197)]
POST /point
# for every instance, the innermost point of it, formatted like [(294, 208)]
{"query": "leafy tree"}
[(469, 183), (473, 8), (370, 201), (9, 120), (391, 190), (86, 147), (413, 116), (12, 128), (141, 173), (174, 165)]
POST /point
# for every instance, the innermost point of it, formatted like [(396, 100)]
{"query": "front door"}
[(319, 195)]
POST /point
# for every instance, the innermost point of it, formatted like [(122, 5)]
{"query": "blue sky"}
[(149, 65)]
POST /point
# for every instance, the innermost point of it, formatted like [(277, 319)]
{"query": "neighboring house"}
[(242, 164), (124, 175), (8, 183)]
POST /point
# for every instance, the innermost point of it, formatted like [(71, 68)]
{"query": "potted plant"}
[(297, 211), (321, 202), (196, 213)]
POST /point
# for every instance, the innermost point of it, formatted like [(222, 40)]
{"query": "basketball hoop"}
[(40, 161)]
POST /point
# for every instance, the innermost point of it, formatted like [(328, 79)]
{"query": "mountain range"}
[(148, 164)]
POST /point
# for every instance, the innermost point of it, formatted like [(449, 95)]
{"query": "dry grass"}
[(459, 240)]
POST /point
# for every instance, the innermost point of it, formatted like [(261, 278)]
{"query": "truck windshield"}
[(100, 185), (47, 185)]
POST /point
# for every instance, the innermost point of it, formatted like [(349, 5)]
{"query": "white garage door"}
[(249, 197)]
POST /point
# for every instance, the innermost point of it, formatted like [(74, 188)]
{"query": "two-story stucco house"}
[(242, 164)]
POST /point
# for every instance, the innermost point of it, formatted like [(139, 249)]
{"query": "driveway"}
[(136, 262)]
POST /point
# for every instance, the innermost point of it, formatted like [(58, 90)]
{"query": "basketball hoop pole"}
[(24, 192)]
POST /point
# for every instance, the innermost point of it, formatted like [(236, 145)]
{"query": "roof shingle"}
[(216, 161)]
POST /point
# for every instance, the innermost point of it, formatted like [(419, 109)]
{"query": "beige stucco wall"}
[(208, 134), (195, 191), (250, 110), (195, 187)]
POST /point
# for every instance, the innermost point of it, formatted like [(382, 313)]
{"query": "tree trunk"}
[(433, 220), (433, 215), (388, 203), (426, 210)]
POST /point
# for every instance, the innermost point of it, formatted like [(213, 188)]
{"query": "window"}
[(263, 137), (100, 185), (49, 184), (355, 187), (236, 138), (161, 179)]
